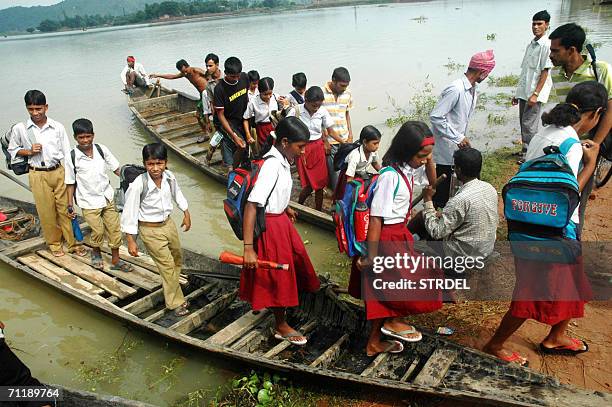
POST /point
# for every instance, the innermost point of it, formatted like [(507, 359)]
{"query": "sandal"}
[(80, 251), (515, 357), (579, 346), (400, 334), (122, 266), (182, 310), (288, 337), (96, 261), (58, 253), (392, 347)]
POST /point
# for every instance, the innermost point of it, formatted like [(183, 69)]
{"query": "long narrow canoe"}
[(170, 117), (222, 324)]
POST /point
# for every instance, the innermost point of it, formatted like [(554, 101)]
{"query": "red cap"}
[(131, 59)]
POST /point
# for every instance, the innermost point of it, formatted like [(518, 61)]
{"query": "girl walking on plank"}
[(312, 166), (146, 212), (554, 293), (259, 108), (407, 159), (280, 242)]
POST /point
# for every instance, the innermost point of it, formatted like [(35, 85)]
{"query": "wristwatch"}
[(536, 93)]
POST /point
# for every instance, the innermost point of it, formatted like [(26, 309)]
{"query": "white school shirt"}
[(275, 170), (449, 119), (321, 119), (394, 210), (138, 68), (52, 136), (93, 188), (155, 207), (554, 136), (260, 109), (252, 95), (535, 60), (358, 163), (292, 100)]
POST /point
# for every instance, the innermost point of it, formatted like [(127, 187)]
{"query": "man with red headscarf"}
[(450, 117), (133, 75)]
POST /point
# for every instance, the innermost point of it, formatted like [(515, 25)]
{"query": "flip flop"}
[(292, 334), (515, 357), (576, 349), (96, 261), (400, 334), (182, 309), (58, 253), (122, 266), (392, 347), (80, 252)]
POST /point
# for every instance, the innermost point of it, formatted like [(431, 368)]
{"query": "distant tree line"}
[(155, 11)]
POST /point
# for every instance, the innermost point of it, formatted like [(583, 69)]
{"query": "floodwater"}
[(392, 52)]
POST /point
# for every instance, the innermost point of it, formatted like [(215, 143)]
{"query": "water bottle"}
[(76, 229)]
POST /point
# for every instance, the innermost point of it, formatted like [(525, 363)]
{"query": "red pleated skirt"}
[(263, 131), (312, 166), (549, 292), (395, 239), (280, 243)]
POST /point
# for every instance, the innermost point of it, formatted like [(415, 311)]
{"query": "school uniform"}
[(280, 243), (295, 98), (94, 193), (260, 112), (552, 292), (312, 165), (357, 165), (150, 219), (395, 238), (46, 177)]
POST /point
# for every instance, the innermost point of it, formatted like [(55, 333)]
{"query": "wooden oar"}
[(14, 179)]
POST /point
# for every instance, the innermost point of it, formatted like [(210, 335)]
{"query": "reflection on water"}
[(391, 52)]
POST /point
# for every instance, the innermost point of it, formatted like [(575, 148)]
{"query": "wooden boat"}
[(80, 398), (221, 324), (169, 116)]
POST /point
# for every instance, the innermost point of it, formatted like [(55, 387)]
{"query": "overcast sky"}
[(11, 3)]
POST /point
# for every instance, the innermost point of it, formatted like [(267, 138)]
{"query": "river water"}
[(392, 52)]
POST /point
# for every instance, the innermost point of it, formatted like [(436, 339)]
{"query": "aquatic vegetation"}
[(420, 19), (496, 119), (453, 66), (422, 104), (505, 81), (491, 37), (503, 99), (169, 373), (597, 45)]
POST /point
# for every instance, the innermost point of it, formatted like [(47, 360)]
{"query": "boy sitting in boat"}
[(89, 187), (148, 205)]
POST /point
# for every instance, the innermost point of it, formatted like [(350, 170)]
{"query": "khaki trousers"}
[(164, 247), (51, 198), (101, 220)]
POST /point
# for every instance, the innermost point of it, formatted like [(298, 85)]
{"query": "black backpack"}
[(343, 151), (20, 165), (128, 174)]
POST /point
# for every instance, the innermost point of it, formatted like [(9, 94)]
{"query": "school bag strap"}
[(73, 160), (145, 186), (566, 145)]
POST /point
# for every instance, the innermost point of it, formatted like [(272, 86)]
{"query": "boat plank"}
[(194, 320), (411, 368), (186, 132), (167, 132), (25, 246), (90, 274), (304, 329), (176, 116), (328, 357), (189, 141), (373, 367), (250, 341), (135, 277), (189, 297), (195, 150), (58, 274), (436, 367), (164, 116), (145, 303), (237, 328)]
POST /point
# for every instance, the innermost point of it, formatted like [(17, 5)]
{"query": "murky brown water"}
[(390, 52)]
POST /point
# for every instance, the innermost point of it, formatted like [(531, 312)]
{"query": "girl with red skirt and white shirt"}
[(280, 242), (259, 108), (410, 158)]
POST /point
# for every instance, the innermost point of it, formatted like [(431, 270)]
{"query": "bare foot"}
[(560, 342)]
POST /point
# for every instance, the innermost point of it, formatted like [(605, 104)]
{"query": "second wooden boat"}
[(169, 116)]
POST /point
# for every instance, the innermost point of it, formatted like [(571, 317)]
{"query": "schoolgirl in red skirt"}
[(280, 242), (259, 108), (312, 166), (388, 236), (554, 293)]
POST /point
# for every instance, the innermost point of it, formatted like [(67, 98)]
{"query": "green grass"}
[(506, 81), (422, 104), (453, 66), (499, 166), (496, 119)]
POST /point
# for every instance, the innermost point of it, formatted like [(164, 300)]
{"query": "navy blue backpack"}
[(538, 204)]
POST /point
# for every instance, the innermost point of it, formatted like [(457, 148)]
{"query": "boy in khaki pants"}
[(89, 187), (147, 209)]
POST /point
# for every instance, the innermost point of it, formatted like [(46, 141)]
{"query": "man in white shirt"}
[(44, 142), (534, 83), (134, 75), (450, 117)]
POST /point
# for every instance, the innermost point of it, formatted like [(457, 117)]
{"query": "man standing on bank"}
[(450, 117), (534, 83), (45, 143)]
